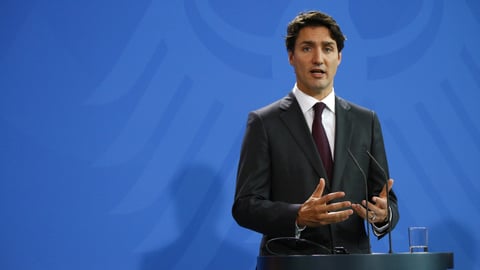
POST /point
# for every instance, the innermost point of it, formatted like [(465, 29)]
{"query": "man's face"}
[(315, 59)]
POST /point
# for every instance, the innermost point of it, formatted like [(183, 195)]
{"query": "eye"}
[(328, 49), (306, 49)]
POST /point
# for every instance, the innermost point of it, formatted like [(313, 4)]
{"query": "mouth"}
[(318, 72)]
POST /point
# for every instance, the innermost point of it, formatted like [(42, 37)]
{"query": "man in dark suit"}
[(290, 183)]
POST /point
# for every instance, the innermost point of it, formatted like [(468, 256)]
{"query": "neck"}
[(318, 94)]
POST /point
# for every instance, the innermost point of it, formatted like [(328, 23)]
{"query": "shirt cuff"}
[(299, 230), (379, 230)]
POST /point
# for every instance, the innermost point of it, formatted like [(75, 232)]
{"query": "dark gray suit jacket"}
[(279, 169)]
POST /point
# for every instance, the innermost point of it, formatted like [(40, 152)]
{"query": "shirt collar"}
[(306, 102)]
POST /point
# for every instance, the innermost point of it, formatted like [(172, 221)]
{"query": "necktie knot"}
[(319, 107)]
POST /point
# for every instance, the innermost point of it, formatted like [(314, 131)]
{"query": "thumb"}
[(319, 190), (383, 194)]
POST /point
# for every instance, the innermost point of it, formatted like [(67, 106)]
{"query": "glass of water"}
[(418, 239)]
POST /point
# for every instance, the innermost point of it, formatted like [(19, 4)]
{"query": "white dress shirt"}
[(328, 115)]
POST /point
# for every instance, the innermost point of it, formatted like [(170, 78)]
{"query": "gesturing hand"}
[(318, 211), (377, 209)]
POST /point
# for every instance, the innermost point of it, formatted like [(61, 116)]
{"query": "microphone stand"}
[(388, 202), (366, 196)]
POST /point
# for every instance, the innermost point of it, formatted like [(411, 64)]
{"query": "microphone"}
[(366, 195), (388, 201), (286, 246)]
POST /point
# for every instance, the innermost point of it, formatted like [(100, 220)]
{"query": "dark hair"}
[(313, 18)]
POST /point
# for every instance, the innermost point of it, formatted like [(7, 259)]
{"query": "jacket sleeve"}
[(380, 175), (253, 207)]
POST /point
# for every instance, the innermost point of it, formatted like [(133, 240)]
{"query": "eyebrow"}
[(329, 43), (324, 43)]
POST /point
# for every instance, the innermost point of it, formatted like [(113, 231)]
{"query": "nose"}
[(317, 57)]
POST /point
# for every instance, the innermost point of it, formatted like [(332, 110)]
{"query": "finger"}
[(319, 190), (380, 202), (359, 210), (334, 217), (366, 205), (370, 206), (332, 196), (338, 206), (379, 208), (362, 212), (325, 218), (383, 194)]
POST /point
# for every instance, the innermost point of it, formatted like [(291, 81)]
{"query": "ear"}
[(290, 57), (339, 58)]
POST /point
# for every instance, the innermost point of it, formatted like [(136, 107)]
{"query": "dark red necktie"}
[(320, 138)]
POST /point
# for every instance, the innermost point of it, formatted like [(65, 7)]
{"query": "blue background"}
[(121, 123)]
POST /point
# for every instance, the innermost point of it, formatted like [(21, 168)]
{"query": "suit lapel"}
[(294, 120), (343, 137)]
